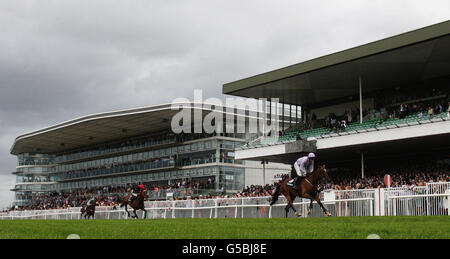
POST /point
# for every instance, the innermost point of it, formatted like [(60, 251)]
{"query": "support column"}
[(360, 102), (282, 117), (303, 114), (362, 165), (290, 115), (264, 172)]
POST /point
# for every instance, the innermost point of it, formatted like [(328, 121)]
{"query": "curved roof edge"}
[(120, 113)]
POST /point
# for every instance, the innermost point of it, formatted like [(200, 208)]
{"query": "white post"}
[(388, 196), (360, 101), (215, 205)]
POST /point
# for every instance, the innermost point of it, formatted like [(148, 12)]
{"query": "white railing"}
[(218, 208), (431, 200)]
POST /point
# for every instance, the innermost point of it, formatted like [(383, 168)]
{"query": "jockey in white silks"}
[(90, 201), (303, 166)]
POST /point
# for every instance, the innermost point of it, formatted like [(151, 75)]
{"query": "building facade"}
[(155, 158)]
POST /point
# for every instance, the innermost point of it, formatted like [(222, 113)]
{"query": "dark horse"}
[(307, 188), (88, 211), (137, 204)]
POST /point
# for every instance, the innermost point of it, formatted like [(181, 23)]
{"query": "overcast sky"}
[(64, 59)]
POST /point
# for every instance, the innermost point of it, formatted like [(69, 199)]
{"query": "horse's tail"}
[(275, 195)]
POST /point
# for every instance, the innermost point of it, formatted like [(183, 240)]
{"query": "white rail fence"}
[(431, 200)]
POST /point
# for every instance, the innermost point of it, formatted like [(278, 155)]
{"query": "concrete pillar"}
[(362, 165), (360, 101)]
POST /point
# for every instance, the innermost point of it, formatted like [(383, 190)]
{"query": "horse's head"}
[(323, 173), (144, 193)]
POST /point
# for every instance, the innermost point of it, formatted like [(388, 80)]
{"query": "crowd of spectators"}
[(348, 179), (402, 176), (107, 196), (340, 123)]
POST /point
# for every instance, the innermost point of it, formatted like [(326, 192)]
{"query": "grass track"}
[(334, 227)]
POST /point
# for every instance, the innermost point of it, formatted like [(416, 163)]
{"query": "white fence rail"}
[(431, 200)]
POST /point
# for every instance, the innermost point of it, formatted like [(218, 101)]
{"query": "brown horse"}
[(137, 204), (88, 211), (307, 188)]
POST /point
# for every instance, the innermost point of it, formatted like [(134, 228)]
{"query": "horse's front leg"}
[(135, 214), (321, 205), (126, 209), (286, 209), (145, 213)]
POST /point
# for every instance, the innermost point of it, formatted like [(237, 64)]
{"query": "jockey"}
[(136, 191), (303, 166), (90, 201)]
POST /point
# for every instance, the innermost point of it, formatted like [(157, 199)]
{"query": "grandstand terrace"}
[(383, 102), (116, 150)]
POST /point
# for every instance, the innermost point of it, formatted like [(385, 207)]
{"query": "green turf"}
[(334, 227)]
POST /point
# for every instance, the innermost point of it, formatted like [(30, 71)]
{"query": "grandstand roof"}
[(98, 128), (400, 60)]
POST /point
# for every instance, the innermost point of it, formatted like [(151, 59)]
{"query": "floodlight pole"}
[(360, 101)]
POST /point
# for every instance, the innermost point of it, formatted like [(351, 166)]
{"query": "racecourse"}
[(279, 228)]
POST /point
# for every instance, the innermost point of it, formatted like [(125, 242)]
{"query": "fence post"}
[(215, 204), (242, 208), (448, 202), (371, 208)]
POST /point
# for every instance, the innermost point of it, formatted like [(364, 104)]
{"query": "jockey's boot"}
[(297, 180), (293, 183), (132, 197)]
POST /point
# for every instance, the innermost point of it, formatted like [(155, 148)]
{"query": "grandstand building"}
[(128, 147), (393, 95)]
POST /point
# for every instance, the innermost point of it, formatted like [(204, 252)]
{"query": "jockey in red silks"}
[(136, 191)]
